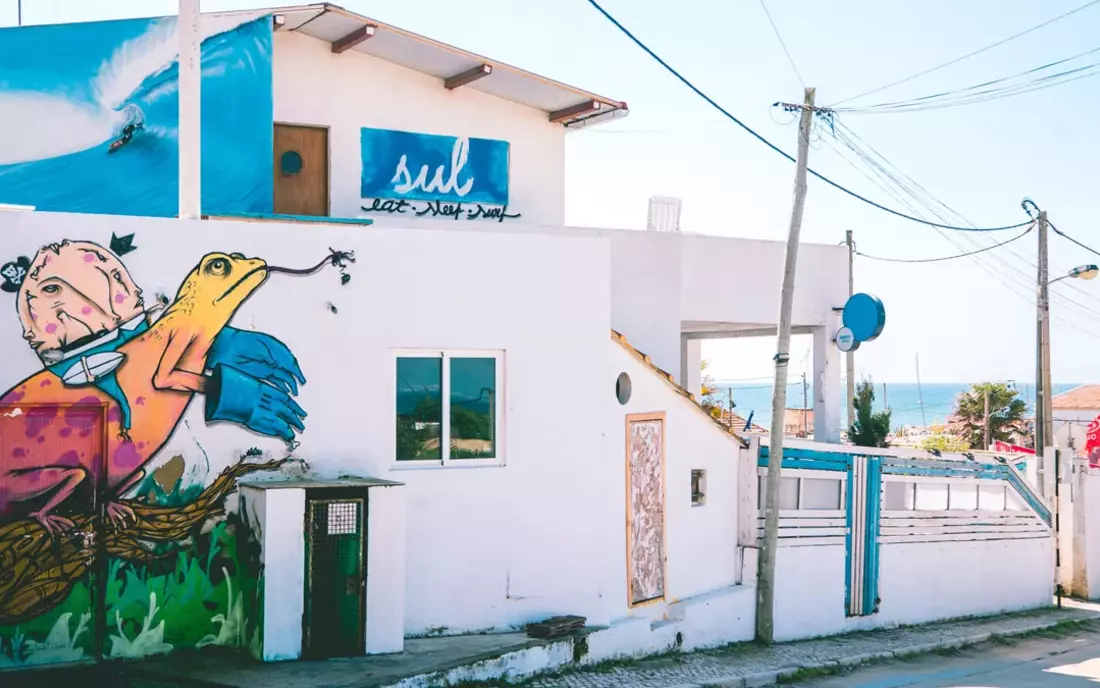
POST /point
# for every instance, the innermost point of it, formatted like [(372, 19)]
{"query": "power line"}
[(972, 94), (1068, 237), (943, 258), (992, 94), (764, 6), (925, 198), (779, 150), (970, 54)]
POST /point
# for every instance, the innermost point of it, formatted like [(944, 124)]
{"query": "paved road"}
[(1051, 660)]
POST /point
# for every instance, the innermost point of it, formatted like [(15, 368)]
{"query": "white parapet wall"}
[(932, 539)]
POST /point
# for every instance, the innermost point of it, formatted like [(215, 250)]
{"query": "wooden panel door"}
[(645, 516), (301, 170)]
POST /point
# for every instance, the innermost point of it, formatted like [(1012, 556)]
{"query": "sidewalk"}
[(425, 661), (747, 665)]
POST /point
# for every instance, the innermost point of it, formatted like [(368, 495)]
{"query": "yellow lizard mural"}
[(143, 371)]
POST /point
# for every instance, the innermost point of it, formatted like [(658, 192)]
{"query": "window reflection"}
[(419, 408), (473, 408)]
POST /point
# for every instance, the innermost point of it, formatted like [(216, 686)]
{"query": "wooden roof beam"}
[(470, 75), (353, 39), (576, 110)]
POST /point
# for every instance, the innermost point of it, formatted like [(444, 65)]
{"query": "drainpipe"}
[(190, 86)]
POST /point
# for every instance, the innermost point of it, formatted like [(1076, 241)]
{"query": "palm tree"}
[(1006, 413)]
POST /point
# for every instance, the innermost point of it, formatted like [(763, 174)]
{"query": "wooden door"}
[(301, 170), (645, 516)]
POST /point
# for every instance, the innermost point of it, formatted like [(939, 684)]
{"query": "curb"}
[(774, 676)]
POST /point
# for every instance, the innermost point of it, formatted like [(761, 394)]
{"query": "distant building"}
[(1073, 411)]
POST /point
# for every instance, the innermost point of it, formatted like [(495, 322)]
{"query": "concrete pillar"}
[(190, 116), (1079, 562), (827, 394), (691, 360)]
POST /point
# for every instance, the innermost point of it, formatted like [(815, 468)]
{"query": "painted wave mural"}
[(91, 116)]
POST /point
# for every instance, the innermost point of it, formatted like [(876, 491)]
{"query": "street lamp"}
[(1085, 272)]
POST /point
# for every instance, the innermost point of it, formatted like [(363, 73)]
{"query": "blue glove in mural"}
[(257, 354), (235, 397)]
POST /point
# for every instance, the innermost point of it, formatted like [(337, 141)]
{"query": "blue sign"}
[(427, 167), (865, 316)]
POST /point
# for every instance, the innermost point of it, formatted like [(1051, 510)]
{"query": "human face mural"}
[(73, 292)]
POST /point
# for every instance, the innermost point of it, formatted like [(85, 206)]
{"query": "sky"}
[(967, 319)]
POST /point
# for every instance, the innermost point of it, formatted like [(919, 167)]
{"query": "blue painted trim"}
[(987, 472), (871, 559), (807, 464), (312, 219), (808, 459), (848, 541), (1029, 497)]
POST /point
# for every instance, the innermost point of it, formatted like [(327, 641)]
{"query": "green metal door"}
[(335, 584)]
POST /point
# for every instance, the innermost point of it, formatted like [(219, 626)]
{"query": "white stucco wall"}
[(739, 281), (470, 562), (701, 541), (918, 582), (345, 92), (279, 516), (1070, 426), (386, 545)]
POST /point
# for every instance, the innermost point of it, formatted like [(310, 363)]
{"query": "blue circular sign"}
[(865, 316)]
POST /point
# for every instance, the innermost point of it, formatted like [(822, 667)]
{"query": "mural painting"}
[(646, 507), (96, 106), (87, 522)]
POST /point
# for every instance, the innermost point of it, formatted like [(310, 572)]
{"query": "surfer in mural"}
[(84, 316), (135, 122)]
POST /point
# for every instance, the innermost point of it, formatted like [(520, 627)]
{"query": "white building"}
[(489, 434), (1073, 412)]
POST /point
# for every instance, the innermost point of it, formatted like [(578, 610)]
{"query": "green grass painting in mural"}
[(195, 599)]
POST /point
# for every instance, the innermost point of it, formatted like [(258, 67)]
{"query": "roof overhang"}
[(347, 31)]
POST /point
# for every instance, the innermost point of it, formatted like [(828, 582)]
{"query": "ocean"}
[(904, 400)]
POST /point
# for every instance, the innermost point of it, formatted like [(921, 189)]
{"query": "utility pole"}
[(850, 357), (988, 435), (805, 408), (1043, 426), (920, 395), (765, 587), (885, 398)]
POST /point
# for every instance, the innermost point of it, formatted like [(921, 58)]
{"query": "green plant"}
[(709, 392), (944, 443), (869, 428), (1006, 413)]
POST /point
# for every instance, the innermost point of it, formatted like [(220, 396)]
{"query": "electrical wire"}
[(782, 43), (968, 55), (972, 94), (926, 199), (1069, 238), (943, 258), (779, 150), (984, 97)]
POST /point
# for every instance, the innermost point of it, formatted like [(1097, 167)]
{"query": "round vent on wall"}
[(623, 388), (290, 162)]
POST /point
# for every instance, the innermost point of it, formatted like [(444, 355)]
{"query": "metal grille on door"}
[(334, 604)]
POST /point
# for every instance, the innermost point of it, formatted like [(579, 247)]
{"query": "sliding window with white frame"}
[(449, 408)]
